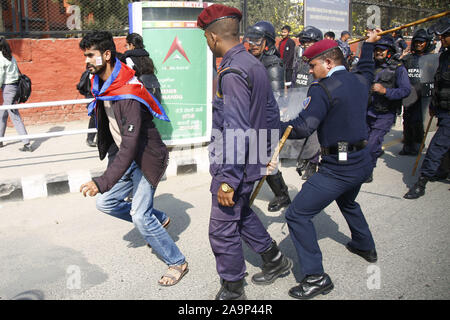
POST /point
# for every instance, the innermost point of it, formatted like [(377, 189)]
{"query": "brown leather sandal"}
[(175, 273)]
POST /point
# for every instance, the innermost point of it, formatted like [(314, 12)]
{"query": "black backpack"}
[(84, 86), (24, 88)]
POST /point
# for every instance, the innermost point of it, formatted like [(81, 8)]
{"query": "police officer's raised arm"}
[(366, 63)]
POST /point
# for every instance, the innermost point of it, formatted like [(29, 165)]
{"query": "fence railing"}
[(47, 134), (62, 18)]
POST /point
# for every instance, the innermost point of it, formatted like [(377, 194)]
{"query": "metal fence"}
[(61, 18), (72, 18), (387, 14)]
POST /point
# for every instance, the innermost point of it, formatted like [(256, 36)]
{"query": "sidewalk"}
[(61, 164)]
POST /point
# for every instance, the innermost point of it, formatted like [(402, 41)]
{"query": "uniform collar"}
[(237, 48), (338, 68)]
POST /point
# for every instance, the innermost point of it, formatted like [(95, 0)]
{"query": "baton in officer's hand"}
[(280, 146), (422, 145)]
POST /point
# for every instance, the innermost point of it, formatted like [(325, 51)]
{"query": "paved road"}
[(61, 247)]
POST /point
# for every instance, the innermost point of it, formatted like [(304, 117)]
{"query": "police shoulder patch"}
[(306, 102)]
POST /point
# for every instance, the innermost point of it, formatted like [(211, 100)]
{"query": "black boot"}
[(311, 286), (274, 265), (418, 189), (408, 150), (280, 189), (231, 290), (310, 169)]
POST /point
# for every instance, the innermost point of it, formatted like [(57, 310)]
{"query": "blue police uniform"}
[(382, 109), (336, 107), (440, 143), (245, 101)]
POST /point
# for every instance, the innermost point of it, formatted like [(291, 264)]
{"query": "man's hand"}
[(378, 88), (405, 52), (89, 188), (271, 167), (373, 35), (225, 198)]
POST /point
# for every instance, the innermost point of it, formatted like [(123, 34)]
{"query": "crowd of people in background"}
[(402, 87)]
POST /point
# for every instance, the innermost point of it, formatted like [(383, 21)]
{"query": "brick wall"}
[(54, 67)]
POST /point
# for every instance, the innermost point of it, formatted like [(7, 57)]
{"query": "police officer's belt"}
[(351, 148)]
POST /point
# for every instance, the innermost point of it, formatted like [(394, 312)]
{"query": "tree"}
[(277, 12), (394, 13)]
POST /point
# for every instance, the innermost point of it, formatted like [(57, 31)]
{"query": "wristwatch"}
[(226, 188)]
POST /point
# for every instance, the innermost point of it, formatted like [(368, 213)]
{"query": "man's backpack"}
[(24, 89), (84, 86)]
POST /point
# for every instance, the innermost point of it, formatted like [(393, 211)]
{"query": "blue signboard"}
[(327, 15)]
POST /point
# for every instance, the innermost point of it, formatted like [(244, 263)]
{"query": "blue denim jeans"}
[(147, 219)]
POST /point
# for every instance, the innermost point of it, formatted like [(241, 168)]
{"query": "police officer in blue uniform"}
[(261, 40), (391, 85), (309, 152), (440, 107), (417, 103), (336, 107), (244, 102)]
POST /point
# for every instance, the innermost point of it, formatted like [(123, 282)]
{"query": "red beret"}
[(216, 12), (319, 48)]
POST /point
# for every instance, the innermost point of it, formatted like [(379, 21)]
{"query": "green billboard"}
[(181, 58)]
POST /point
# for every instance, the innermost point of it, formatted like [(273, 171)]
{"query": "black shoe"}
[(310, 169), (369, 255), (418, 189), (91, 143), (369, 179), (274, 265), (1, 145), (278, 203), (312, 286), (26, 148), (231, 290)]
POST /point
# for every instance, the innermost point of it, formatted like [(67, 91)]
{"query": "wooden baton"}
[(280, 146), (421, 146), (436, 16)]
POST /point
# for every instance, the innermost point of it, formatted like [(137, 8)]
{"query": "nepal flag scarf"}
[(122, 84)]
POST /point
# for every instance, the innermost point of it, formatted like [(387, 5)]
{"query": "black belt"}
[(351, 148)]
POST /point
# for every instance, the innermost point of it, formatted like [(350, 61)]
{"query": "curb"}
[(181, 162)]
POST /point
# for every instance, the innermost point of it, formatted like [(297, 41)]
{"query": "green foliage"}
[(398, 12), (277, 12)]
